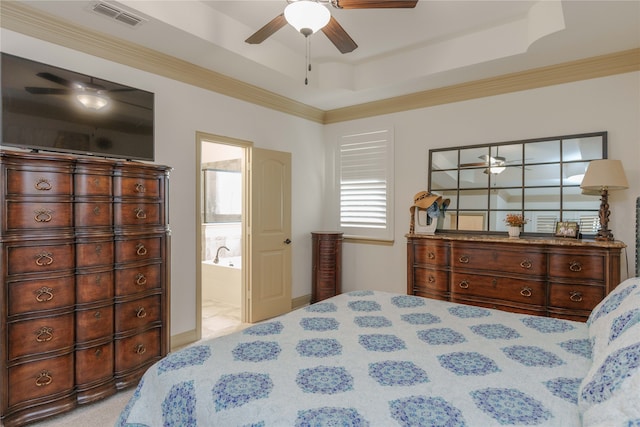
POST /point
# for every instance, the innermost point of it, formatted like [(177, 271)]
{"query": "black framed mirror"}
[(538, 178)]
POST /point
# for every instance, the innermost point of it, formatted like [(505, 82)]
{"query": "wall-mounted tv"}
[(52, 109)]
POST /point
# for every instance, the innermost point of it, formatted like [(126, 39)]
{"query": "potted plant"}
[(515, 223)]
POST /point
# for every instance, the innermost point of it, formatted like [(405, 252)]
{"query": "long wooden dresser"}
[(84, 305), (562, 278)]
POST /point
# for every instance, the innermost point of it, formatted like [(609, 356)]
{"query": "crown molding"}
[(29, 21), (590, 68)]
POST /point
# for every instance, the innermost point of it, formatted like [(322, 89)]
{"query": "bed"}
[(371, 358)]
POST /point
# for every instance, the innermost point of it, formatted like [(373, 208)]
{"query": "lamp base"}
[(604, 234)]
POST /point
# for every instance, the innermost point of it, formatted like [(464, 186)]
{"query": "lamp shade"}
[(604, 174), (307, 16)]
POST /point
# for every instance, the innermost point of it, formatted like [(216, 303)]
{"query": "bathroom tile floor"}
[(220, 318)]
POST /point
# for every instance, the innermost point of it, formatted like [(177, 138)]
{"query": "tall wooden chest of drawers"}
[(326, 265), (547, 277), (84, 246)]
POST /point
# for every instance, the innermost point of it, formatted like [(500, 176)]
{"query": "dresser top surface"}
[(522, 240)]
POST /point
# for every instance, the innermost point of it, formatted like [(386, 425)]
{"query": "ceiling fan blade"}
[(47, 91), (374, 4), (338, 36), (473, 165), (55, 79), (265, 32)]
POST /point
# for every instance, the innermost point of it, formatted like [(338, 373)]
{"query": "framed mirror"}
[(538, 178), (222, 189)]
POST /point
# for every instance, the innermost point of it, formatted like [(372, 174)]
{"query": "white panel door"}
[(270, 234)]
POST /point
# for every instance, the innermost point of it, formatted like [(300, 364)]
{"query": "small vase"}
[(514, 231)]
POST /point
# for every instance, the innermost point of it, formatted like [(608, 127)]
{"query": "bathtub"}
[(222, 281)]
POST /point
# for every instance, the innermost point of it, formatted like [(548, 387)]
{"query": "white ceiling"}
[(401, 51)]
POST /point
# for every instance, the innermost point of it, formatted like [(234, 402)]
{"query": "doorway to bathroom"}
[(221, 235)]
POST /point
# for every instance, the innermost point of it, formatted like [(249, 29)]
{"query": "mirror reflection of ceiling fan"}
[(332, 29), (493, 164), (91, 95)]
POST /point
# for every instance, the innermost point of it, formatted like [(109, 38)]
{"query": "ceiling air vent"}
[(116, 13)]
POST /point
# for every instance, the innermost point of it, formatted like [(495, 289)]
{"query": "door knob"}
[(288, 241)]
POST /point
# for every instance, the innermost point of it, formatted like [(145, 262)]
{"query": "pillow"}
[(609, 394), (600, 322)]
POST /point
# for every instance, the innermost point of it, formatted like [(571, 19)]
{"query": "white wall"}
[(180, 111), (606, 104)]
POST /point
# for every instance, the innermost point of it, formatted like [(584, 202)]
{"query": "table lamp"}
[(603, 176)]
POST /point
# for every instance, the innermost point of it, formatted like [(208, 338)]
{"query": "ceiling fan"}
[(333, 30), (91, 95)]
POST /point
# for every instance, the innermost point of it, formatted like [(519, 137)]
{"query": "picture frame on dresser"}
[(568, 229)]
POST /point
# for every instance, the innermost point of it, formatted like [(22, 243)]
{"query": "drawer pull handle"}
[(575, 266), (526, 292), (140, 188), (43, 184), (575, 296), (96, 210), (141, 280), (44, 379), (526, 264), (431, 255), (44, 294), (140, 349), (44, 334), (44, 259), (141, 250), (97, 315), (43, 215), (432, 279), (98, 352), (140, 213), (464, 284), (141, 313), (464, 259)]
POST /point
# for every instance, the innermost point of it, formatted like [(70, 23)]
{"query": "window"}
[(365, 179)]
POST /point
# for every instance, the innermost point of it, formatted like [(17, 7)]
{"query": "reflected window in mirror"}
[(539, 178)]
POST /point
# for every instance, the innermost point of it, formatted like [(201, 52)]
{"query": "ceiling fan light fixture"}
[(307, 16), (92, 101)]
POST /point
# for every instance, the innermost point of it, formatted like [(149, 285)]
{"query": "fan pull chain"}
[(308, 61)]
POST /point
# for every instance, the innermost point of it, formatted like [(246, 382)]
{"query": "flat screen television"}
[(52, 109)]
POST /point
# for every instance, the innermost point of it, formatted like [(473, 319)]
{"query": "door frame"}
[(201, 138)]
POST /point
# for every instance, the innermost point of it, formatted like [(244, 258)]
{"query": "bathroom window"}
[(222, 195)]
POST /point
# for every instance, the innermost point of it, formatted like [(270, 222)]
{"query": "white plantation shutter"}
[(365, 167)]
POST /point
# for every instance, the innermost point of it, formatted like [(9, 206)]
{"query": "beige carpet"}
[(217, 319)]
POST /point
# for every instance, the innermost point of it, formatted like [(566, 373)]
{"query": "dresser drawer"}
[(38, 215), (138, 213), (137, 279), (530, 263), (499, 288), (94, 323), (94, 363), (40, 378), (578, 297), (41, 183), (93, 214), (135, 351), (431, 280), (42, 294), (430, 253), (138, 249), (36, 336), (137, 314), (42, 258), (575, 266), (93, 252), (138, 187), (92, 285), (87, 184)]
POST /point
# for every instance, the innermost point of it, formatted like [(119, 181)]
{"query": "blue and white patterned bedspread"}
[(373, 359)]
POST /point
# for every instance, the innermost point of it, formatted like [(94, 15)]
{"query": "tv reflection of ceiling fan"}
[(91, 95), (333, 30)]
